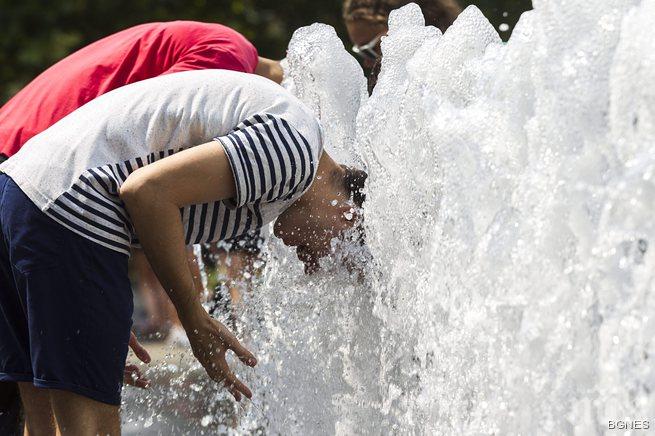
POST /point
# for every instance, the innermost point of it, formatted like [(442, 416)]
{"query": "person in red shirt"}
[(134, 54), (138, 53)]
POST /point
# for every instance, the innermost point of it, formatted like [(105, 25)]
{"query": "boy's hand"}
[(210, 341), (132, 374), (138, 349)]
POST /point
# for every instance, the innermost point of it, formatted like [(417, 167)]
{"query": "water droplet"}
[(206, 420)]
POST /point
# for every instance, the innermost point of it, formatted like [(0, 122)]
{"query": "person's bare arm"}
[(270, 69), (194, 267), (153, 196)]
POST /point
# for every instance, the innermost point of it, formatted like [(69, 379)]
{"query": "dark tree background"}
[(35, 33)]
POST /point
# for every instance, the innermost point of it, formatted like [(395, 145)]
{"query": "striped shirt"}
[(73, 171)]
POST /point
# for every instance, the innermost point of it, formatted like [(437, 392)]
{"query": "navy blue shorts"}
[(65, 304)]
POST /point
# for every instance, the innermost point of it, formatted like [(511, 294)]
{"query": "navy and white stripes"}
[(271, 161)]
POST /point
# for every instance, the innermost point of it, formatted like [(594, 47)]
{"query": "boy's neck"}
[(326, 174)]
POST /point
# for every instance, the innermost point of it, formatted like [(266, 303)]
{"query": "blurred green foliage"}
[(35, 33)]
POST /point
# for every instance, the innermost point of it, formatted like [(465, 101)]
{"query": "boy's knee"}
[(79, 415), (39, 419)]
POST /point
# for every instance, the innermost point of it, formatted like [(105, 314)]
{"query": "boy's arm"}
[(153, 196), (270, 69)]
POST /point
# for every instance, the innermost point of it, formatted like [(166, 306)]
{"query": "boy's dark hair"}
[(354, 181), (372, 77), (438, 13)]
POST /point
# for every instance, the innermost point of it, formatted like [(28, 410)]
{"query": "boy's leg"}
[(79, 415), (75, 305), (240, 266), (14, 336), (159, 309), (75, 414), (162, 316), (39, 419), (11, 421), (238, 257)]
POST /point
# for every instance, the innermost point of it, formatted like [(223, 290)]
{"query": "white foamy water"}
[(510, 225)]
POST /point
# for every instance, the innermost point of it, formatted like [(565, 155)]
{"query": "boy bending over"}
[(180, 159)]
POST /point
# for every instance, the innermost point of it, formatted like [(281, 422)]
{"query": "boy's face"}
[(361, 33), (311, 226)]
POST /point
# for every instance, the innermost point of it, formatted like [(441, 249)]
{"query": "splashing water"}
[(509, 220)]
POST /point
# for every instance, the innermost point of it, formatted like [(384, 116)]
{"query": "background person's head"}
[(366, 22), (330, 208)]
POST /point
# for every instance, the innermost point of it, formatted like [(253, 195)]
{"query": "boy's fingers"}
[(231, 342), (132, 376), (243, 389), (237, 388), (138, 349), (242, 353), (236, 394), (132, 372), (142, 383)]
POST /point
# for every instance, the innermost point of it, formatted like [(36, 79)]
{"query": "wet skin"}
[(323, 213), (361, 32)]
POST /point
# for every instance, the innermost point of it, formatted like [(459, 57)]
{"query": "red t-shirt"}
[(135, 54)]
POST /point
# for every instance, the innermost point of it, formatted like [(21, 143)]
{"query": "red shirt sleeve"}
[(134, 54), (211, 46), (216, 57)]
